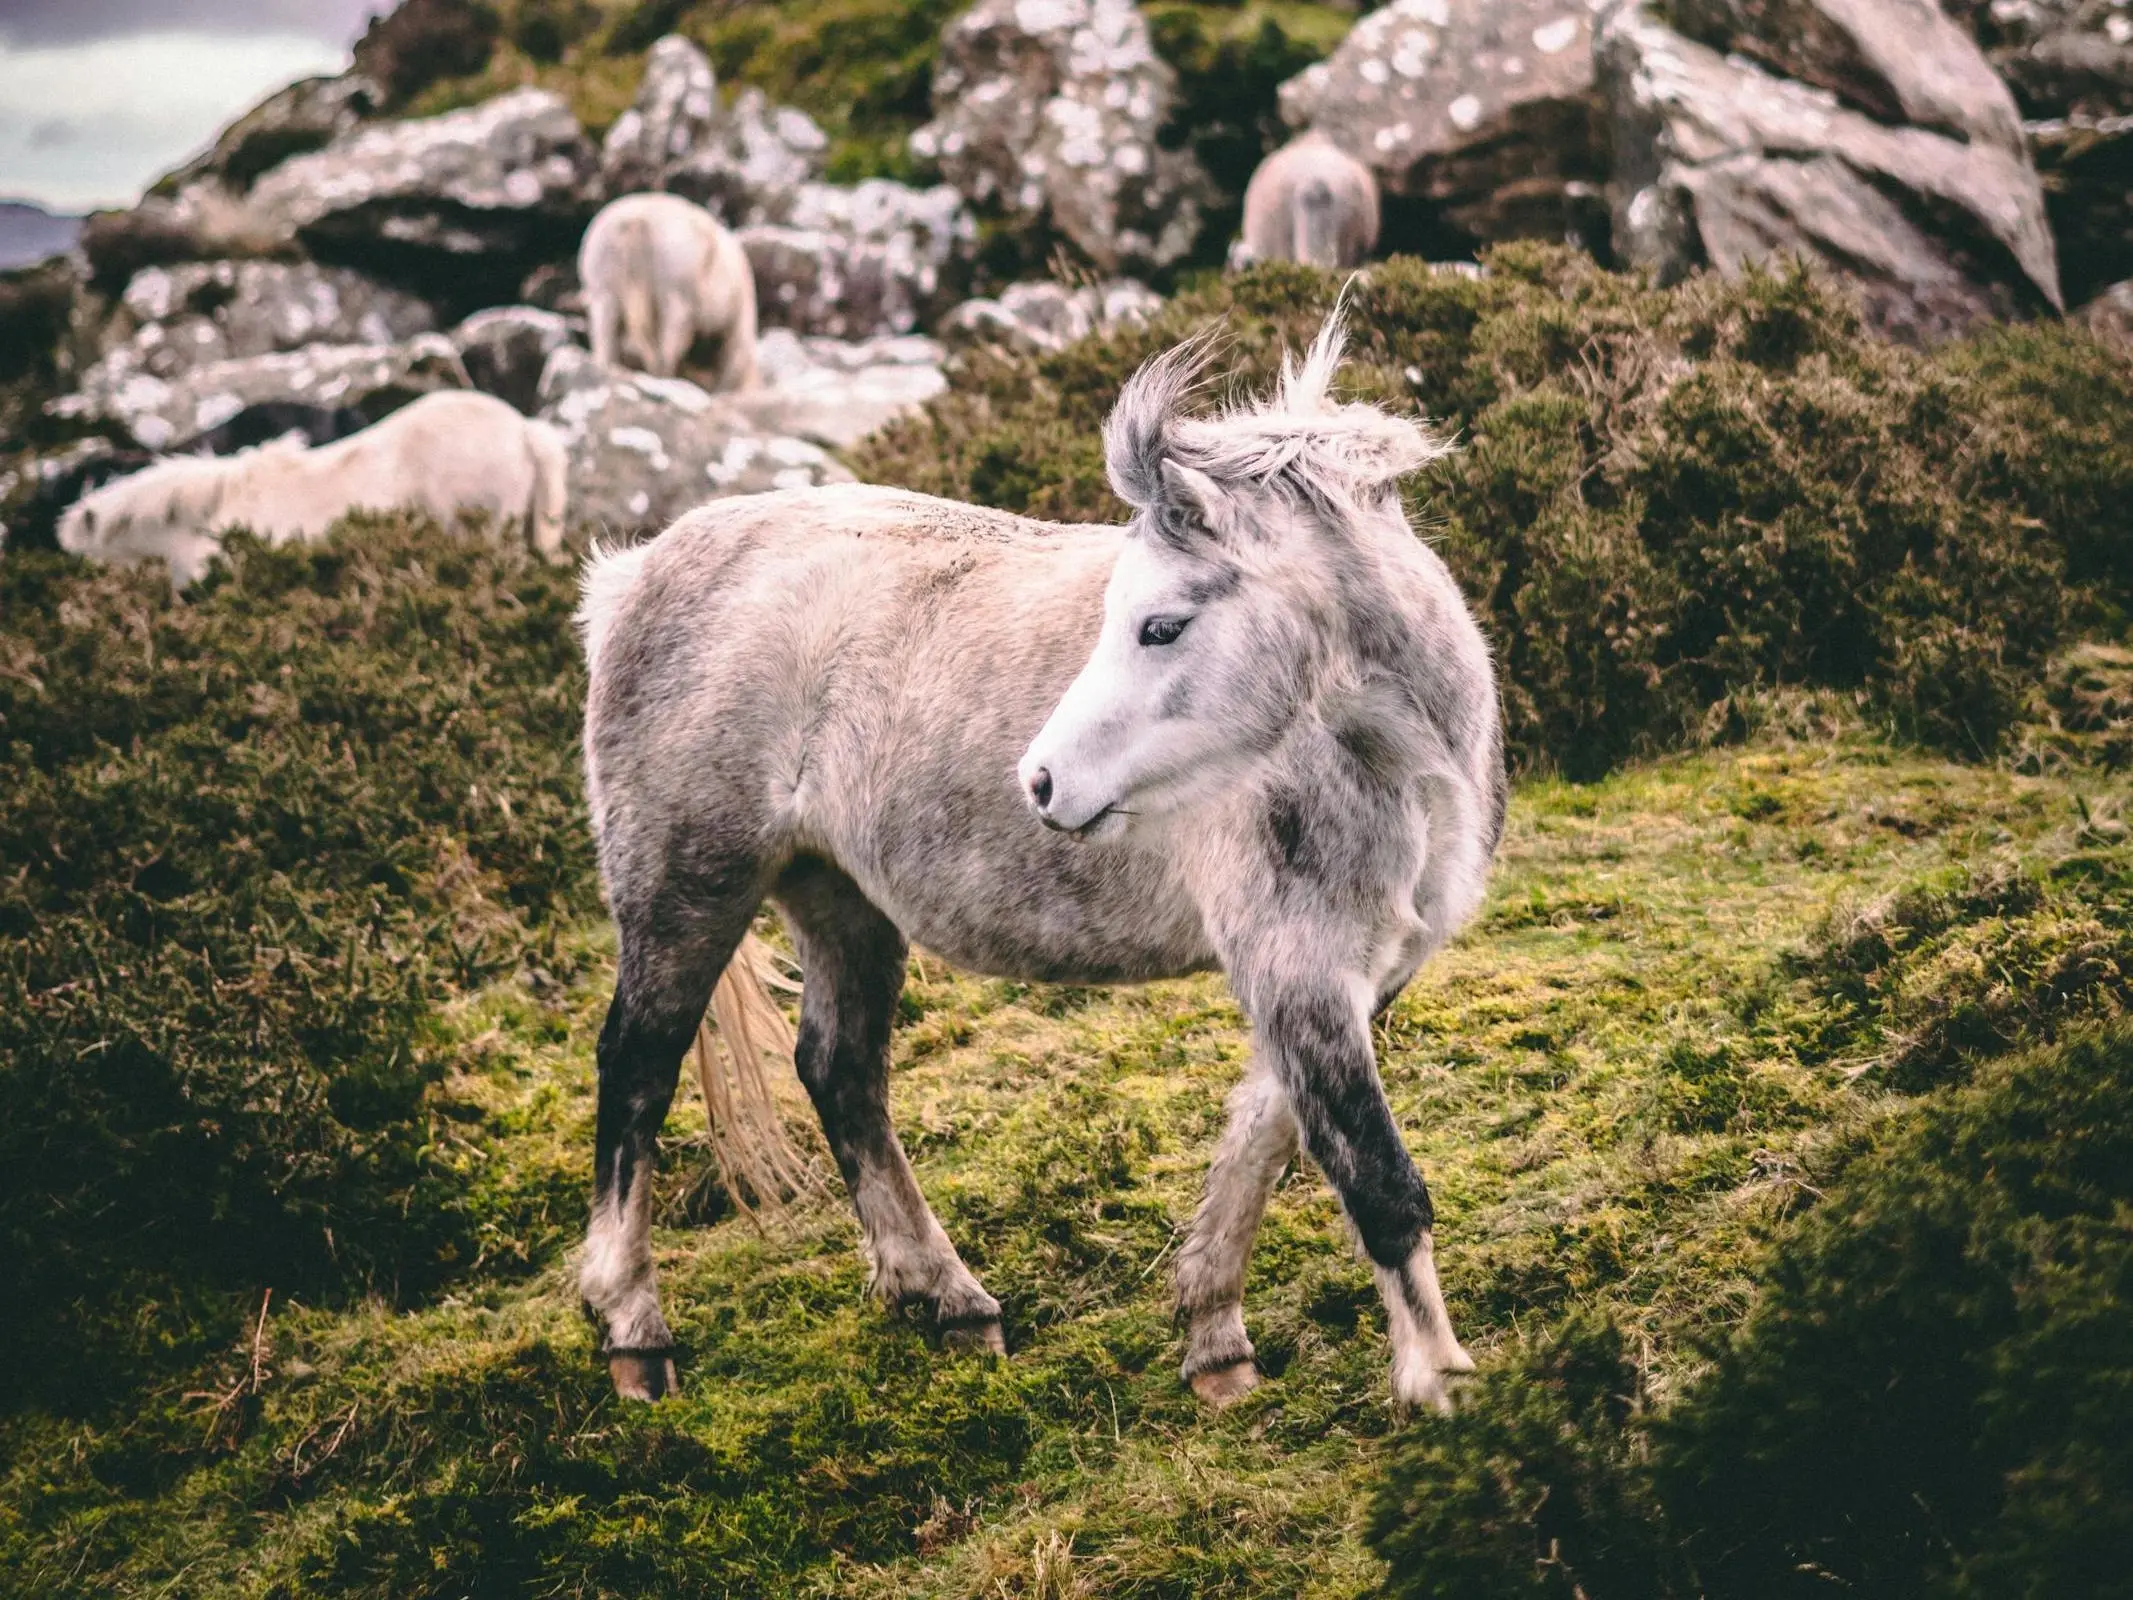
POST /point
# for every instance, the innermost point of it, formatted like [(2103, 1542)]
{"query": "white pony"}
[(661, 274), (1309, 201), (442, 453), (1256, 728)]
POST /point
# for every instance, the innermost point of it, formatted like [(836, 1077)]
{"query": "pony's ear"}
[(1137, 433), (1192, 505)]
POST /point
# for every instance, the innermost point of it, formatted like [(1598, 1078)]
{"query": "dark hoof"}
[(1223, 1386), (643, 1374), (983, 1335)]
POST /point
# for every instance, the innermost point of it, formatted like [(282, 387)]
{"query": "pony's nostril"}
[(1040, 787)]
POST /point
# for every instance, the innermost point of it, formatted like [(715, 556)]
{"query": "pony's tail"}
[(758, 1162), (640, 333)]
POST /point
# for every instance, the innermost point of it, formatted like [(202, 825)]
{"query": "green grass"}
[(1622, 1083)]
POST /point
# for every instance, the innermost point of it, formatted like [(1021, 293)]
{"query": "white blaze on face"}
[(1140, 726)]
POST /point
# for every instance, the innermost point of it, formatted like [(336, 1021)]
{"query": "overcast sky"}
[(98, 98)]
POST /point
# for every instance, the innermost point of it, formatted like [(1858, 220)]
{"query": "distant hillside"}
[(29, 233)]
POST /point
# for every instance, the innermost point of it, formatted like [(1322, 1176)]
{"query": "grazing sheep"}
[(661, 274), (1256, 728), (1309, 201), (443, 453)]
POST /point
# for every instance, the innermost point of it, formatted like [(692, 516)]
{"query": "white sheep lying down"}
[(660, 274), (444, 453)]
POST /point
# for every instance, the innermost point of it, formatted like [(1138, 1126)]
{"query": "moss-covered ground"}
[(1621, 1082)]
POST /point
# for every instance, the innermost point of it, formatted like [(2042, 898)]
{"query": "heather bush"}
[(252, 838), (1929, 1396)]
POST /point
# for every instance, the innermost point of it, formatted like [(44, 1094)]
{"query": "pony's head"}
[(1249, 539), (162, 512)]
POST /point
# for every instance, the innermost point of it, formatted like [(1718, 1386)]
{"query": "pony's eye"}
[(1162, 630)]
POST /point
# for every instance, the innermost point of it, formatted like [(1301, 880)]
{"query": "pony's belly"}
[(1123, 928)]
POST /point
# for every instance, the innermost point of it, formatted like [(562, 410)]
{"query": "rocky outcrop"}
[(506, 349), (643, 450), (1039, 318), (203, 311), (677, 99), (1901, 62), (1487, 108), (2062, 58), (459, 207), (2110, 314), (1717, 162), (745, 162), (876, 258), (2070, 65), (2086, 163), (375, 380), (202, 222), (834, 391), (308, 115), (1049, 110)]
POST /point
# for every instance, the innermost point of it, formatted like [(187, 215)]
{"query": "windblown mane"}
[(1297, 439)]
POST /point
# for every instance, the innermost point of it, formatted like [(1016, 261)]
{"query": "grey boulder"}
[(1050, 109), (1487, 108), (875, 258), (370, 378), (2062, 58), (1039, 318), (677, 99), (2110, 315), (1901, 62), (506, 349), (835, 391), (196, 312), (643, 450), (462, 205), (745, 161), (306, 116), (1719, 163)]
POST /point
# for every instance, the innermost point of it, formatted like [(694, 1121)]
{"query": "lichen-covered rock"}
[(2062, 58), (203, 221), (1486, 107), (677, 98), (2110, 314), (836, 391), (2086, 164), (1050, 109), (1038, 318), (461, 205), (506, 349), (643, 450), (1902, 62), (875, 258), (371, 378), (214, 310), (1719, 163), (745, 161), (2070, 65), (306, 116)]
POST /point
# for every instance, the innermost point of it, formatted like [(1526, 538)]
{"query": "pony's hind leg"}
[(1258, 1143), (671, 957), (853, 961)]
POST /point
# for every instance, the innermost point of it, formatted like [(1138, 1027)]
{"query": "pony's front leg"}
[(1315, 1033), (1258, 1143)]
